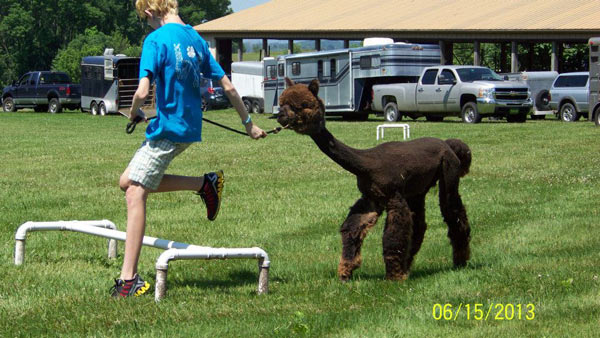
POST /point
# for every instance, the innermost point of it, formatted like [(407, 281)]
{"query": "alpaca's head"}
[(300, 108)]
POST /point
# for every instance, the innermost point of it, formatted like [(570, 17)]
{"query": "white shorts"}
[(148, 165)]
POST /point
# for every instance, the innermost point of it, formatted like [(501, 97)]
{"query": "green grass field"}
[(532, 200)]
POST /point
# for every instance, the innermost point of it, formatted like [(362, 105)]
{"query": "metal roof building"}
[(427, 21)]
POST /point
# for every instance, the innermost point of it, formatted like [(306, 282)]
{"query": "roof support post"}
[(554, 57), (265, 47), (447, 52), (291, 46), (346, 43), (318, 45), (240, 50), (514, 57), (476, 53)]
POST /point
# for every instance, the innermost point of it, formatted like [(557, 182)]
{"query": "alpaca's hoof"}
[(345, 279), (460, 257), (400, 277)]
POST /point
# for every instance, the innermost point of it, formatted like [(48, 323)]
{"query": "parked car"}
[(213, 97), (42, 91), (569, 96), (471, 92)]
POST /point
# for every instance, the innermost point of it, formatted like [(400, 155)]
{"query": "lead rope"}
[(131, 126)]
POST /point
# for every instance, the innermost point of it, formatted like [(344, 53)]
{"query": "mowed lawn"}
[(531, 196)]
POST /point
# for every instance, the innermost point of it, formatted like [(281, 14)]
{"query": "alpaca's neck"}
[(349, 158)]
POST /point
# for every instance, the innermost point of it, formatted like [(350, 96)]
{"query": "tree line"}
[(56, 34)]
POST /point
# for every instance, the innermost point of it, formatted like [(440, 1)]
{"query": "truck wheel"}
[(54, 106), (94, 108), (597, 117), (102, 109), (470, 114), (248, 105), (8, 105), (568, 113), (255, 107), (390, 112)]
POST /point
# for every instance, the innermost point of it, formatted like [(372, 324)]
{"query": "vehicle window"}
[(446, 77), (280, 69), (477, 74), (57, 78), (25, 79), (333, 67), (295, 68), (369, 61), (429, 77), (569, 81), (271, 72)]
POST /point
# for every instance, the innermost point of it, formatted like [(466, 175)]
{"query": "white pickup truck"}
[(470, 92)]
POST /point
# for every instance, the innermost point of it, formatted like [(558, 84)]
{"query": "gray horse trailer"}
[(346, 76)]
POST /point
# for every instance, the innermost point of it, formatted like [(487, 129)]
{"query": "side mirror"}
[(506, 78)]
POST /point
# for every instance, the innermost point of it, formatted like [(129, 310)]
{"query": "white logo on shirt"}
[(191, 52)]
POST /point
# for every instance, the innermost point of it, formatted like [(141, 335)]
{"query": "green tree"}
[(91, 42)]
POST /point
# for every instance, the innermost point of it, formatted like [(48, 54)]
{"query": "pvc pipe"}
[(21, 234), (162, 263), (174, 250)]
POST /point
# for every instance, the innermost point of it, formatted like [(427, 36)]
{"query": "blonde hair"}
[(158, 7)]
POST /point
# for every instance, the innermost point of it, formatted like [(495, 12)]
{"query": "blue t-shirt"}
[(175, 57)]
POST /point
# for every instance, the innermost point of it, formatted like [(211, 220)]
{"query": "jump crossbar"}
[(174, 250)]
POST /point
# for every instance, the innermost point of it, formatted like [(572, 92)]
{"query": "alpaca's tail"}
[(463, 152)]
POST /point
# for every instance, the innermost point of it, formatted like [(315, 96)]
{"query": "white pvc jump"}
[(405, 129), (174, 250)]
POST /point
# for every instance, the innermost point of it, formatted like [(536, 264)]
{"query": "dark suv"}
[(212, 97)]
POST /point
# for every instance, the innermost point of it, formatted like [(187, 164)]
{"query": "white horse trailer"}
[(249, 77), (346, 76)]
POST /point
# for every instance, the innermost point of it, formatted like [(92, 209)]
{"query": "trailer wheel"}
[(102, 109), (470, 114), (248, 105), (8, 105), (256, 107), (54, 106), (94, 108), (568, 113), (390, 112)]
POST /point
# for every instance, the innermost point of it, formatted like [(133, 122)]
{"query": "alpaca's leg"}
[(417, 206), (397, 237), (454, 214), (363, 216)]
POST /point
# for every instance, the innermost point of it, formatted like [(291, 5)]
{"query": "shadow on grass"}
[(234, 279)]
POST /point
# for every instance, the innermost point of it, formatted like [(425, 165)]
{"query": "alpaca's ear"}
[(289, 82), (314, 87)]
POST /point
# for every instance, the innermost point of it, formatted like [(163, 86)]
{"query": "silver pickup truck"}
[(470, 92)]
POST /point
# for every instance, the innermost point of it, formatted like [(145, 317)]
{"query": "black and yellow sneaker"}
[(125, 288), (211, 193)]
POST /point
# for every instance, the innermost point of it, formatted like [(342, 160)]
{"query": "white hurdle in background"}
[(404, 126), (174, 250)]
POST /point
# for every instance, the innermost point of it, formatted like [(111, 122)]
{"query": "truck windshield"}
[(477, 74)]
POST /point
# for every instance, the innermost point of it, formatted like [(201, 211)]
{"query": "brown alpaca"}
[(393, 176)]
